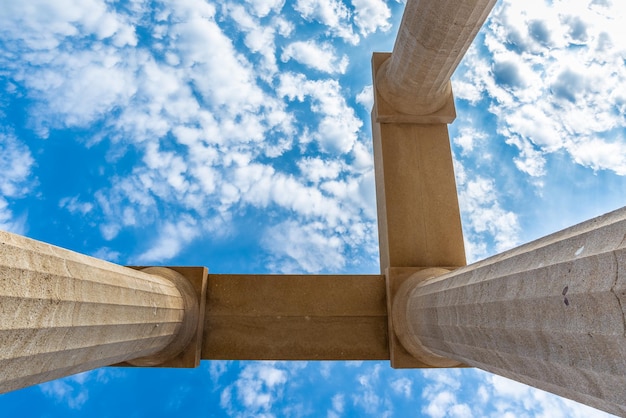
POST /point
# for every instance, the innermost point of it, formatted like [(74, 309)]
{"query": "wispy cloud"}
[(333, 14), (16, 164), (321, 57), (257, 388), (371, 15), (73, 391), (492, 395)]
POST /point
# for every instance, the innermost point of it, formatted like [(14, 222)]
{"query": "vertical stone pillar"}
[(551, 314), (62, 313), (418, 214), (419, 223), (433, 38)]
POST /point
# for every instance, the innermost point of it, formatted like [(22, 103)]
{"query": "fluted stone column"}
[(62, 313), (433, 38), (551, 314)]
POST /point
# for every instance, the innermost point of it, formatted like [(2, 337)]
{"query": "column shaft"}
[(433, 38), (62, 313), (550, 314)]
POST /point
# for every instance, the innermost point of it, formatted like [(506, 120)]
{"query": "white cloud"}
[(321, 57), (217, 368), (332, 13), (338, 403), (440, 405), (555, 74), (73, 390), (172, 236), (366, 97), (371, 15), (517, 399), (303, 247), (227, 82), (402, 386), (368, 397), (16, 165), (8, 222), (467, 138), (487, 225), (79, 88), (599, 154), (64, 392), (479, 203), (338, 129), (454, 392), (108, 254), (44, 24), (258, 386), (530, 160), (74, 205), (264, 7), (199, 126), (449, 379), (316, 169), (259, 38)]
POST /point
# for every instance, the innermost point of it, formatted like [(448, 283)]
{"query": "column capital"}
[(432, 40), (549, 314), (184, 351), (405, 352), (384, 110)]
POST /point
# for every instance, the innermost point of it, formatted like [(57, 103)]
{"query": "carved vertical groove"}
[(548, 314), (62, 312), (433, 38)]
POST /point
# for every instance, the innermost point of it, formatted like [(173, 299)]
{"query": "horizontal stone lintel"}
[(295, 317)]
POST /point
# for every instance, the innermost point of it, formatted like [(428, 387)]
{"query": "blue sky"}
[(236, 135)]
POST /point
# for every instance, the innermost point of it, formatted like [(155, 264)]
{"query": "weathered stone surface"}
[(433, 38), (419, 223), (295, 317), (62, 313), (549, 314)]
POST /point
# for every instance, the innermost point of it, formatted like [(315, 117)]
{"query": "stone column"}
[(62, 313), (418, 215), (551, 314), (433, 38)]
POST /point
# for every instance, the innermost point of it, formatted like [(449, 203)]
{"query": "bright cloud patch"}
[(338, 127), (319, 57), (371, 15), (16, 164), (491, 395), (72, 391), (256, 389), (551, 70), (332, 13)]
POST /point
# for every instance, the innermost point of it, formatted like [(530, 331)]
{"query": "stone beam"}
[(295, 317), (62, 313), (550, 314), (433, 38)]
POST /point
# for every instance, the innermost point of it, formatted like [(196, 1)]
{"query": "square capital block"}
[(399, 357)]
